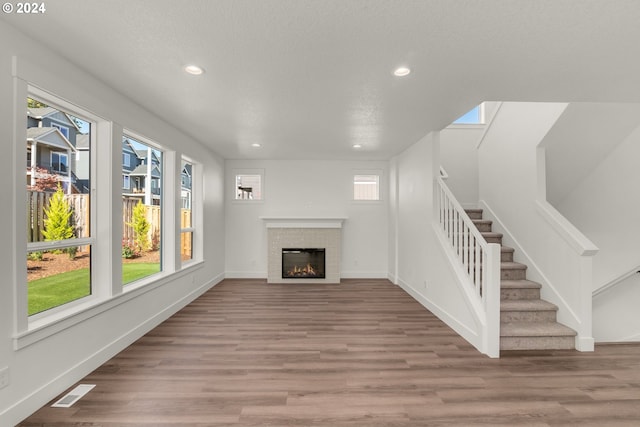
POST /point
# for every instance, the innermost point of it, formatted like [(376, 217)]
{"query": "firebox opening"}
[(303, 263)]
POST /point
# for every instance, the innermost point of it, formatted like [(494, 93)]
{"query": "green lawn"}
[(62, 288), (137, 270)]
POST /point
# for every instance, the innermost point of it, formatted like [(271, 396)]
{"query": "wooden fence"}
[(185, 238), (38, 201), (153, 216)]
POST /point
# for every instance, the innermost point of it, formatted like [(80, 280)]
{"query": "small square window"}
[(366, 187), (248, 187)]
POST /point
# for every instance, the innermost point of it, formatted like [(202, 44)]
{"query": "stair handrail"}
[(613, 283), (479, 260)]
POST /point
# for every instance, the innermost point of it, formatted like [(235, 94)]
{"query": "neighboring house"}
[(137, 172), (185, 184), (52, 138)]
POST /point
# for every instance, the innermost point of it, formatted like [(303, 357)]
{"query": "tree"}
[(34, 103), (45, 181), (57, 224), (140, 226)]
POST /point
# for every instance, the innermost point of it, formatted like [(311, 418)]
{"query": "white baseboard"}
[(35, 400), (363, 275), (245, 275), (585, 343)]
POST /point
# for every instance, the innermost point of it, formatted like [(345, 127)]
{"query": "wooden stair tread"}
[(535, 329)]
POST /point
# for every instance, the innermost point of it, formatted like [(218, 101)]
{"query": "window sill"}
[(47, 326), (469, 126)]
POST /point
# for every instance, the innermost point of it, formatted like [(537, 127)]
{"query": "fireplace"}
[(303, 263)]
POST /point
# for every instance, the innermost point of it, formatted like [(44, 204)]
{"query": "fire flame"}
[(308, 270)]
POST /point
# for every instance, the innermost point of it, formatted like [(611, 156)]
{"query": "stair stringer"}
[(566, 314), (480, 339)]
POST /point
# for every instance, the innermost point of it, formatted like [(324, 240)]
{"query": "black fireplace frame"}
[(322, 274)]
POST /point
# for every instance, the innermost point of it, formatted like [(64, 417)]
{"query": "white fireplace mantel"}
[(302, 222)]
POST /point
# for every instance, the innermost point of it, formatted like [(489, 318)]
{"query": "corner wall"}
[(44, 369), (422, 268), (512, 186), (605, 206)]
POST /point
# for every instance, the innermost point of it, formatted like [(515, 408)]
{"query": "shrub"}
[(57, 225), (72, 251), (36, 256), (140, 226), (129, 251)]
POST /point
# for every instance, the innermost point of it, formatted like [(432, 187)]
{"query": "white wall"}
[(308, 188), (605, 207), (582, 137), (423, 270), (459, 158), (615, 312), (459, 155), (512, 190), (41, 370)]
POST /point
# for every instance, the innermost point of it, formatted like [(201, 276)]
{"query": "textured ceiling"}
[(310, 78)]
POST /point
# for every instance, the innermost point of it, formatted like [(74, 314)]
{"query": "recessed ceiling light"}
[(356, 146), (194, 70), (256, 145), (401, 71)]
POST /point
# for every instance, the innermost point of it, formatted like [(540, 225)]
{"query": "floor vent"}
[(73, 396)]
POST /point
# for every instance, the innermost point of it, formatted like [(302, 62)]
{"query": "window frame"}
[(59, 154), (196, 214), (464, 125), (64, 130), (379, 173), (165, 267), (107, 292), (24, 321)]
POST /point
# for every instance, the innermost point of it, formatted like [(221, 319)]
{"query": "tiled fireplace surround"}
[(305, 232)]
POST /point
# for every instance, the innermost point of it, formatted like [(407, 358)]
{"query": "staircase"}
[(526, 321)]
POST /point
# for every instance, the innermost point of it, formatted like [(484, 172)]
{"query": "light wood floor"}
[(362, 353)]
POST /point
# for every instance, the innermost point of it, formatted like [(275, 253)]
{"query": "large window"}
[(142, 214), (186, 211), (59, 215), (69, 268)]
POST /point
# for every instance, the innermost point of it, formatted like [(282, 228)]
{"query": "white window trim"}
[(24, 323), (126, 178), (196, 213), (106, 287), (126, 159)]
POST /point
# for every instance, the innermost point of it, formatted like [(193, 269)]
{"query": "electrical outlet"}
[(4, 377)]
